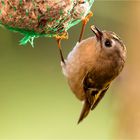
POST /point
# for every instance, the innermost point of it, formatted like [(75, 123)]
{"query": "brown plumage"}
[(92, 65)]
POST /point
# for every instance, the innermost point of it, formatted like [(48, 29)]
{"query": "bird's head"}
[(110, 43)]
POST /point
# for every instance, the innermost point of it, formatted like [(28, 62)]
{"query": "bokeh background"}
[(35, 100)]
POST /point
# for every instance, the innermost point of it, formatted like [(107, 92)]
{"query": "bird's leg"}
[(60, 50), (84, 22), (59, 38)]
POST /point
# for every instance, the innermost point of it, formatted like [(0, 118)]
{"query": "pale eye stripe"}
[(116, 37)]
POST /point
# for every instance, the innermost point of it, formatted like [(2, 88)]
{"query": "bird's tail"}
[(85, 110)]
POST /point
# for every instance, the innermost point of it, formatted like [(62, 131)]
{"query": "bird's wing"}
[(94, 88), (93, 95), (99, 97)]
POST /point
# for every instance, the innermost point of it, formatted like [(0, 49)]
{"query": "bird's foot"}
[(84, 22)]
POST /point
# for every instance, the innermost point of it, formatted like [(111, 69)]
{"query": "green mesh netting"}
[(35, 18)]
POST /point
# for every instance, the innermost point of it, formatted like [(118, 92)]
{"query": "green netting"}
[(35, 18)]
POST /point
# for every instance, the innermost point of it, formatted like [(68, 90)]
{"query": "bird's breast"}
[(78, 63)]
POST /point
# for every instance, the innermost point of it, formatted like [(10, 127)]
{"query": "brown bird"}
[(92, 65)]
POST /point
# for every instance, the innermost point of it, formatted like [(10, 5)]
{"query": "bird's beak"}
[(97, 32)]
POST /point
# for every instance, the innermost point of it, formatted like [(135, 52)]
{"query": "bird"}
[(92, 65)]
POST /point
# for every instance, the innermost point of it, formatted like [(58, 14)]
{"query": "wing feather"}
[(94, 92)]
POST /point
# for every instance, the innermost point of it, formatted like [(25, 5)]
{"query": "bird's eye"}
[(108, 43)]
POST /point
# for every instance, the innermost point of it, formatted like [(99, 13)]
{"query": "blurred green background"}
[(35, 100)]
